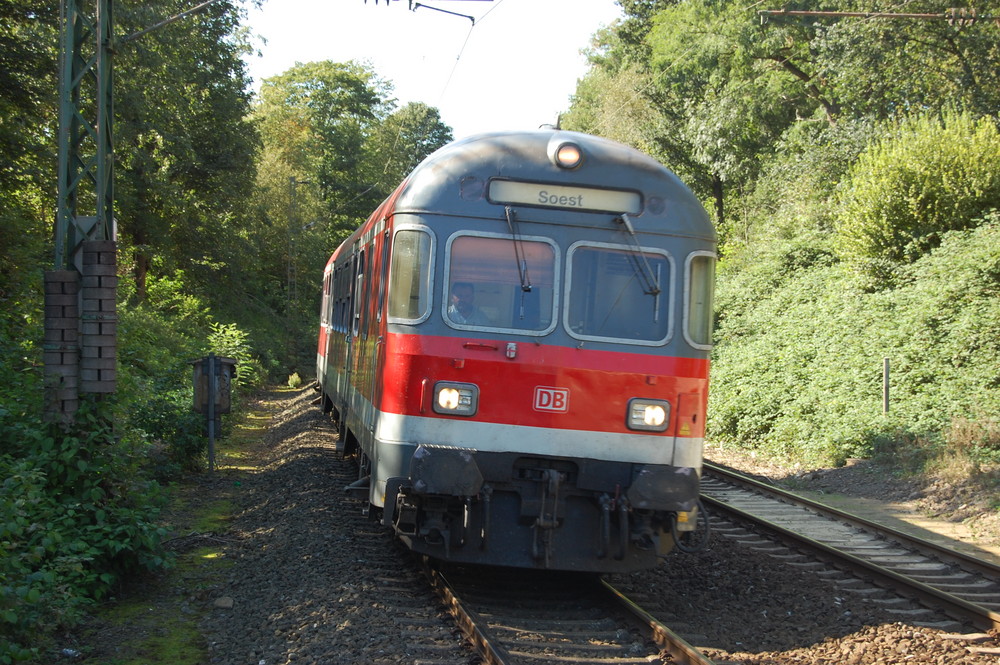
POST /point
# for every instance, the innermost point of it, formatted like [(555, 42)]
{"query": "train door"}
[(323, 350), (363, 345), (378, 357), (351, 330)]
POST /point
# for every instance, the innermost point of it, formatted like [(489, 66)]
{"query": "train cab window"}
[(617, 293), (501, 283), (698, 295), (410, 276)]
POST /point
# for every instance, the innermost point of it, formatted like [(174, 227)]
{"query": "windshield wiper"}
[(522, 263), (650, 282)]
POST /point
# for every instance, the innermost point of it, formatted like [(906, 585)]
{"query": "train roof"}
[(455, 179)]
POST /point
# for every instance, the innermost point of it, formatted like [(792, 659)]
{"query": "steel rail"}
[(468, 620), (967, 561), (952, 605), (682, 652)]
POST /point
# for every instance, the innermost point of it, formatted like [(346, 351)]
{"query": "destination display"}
[(560, 196)]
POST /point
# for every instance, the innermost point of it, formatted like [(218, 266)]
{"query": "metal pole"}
[(213, 386)]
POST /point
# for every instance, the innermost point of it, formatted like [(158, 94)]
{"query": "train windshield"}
[(497, 283), (608, 299)]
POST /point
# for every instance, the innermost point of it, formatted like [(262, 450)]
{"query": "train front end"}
[(540, 390)]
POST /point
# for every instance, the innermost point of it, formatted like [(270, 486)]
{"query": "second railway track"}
[(962, 586)]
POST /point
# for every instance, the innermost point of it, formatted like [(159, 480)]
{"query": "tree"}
[(184, 143), (317, 116), (402, 141), (334, 146), (335, 127), (28, 115), (884, 67)]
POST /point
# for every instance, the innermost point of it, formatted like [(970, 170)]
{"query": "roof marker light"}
[(568, 156)]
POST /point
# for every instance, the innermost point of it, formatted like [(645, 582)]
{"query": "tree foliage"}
[(334, 146), (184, 141), (823, 145), (929, 174), (798, 362), (336, 126), (78, 505)]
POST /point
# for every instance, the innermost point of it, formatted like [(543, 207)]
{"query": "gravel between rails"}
[(308, 584)]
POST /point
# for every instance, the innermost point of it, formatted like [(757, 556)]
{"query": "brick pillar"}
[(60, 350), (99, 319)]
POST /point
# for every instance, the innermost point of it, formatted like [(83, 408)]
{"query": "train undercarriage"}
[(510, 509)]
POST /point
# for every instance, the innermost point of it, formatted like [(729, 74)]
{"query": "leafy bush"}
[(74, 517), (228, 340), (155, 386), (793, 194), (930, 174), (157, 345), (797, 367)]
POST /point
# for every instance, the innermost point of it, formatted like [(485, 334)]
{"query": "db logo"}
[(551, 399)]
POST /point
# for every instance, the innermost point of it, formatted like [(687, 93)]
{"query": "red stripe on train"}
[(544, 386)]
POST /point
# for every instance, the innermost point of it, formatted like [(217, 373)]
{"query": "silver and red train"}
[(515, 347)]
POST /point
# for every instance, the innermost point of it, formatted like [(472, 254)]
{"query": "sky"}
[(514, 68)]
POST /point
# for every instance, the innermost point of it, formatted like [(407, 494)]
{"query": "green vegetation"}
[(798, 364), (852, 166), (227, 205), (928, 175)]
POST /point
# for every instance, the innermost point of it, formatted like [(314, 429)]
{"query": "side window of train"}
[(410, 276), (698, 296), (358, 291), (501, 283), (617, 293), (341, 297), (345, 304), (326, 299)]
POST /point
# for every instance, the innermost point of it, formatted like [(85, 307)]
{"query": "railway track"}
[(963, 587), (516, 616)]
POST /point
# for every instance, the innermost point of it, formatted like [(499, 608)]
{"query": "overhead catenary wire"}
[(444, 89)]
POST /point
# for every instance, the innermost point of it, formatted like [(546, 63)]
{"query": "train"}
[(514, 346)]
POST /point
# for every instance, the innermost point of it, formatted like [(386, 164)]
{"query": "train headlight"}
[(456, 399), (648, 415)]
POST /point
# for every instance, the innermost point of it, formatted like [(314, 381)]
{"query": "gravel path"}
[(309, 578), (303, 591)]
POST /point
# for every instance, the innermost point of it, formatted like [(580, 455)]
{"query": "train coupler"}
[(643, 535)]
